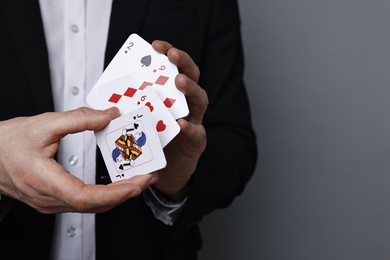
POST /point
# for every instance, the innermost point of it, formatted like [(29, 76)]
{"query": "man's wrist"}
[(177, 196), (163, 207)]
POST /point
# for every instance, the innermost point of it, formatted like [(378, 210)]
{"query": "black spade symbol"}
[(122, 166), (136, 125), (146, 60)]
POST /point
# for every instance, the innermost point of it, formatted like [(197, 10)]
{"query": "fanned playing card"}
[(161, 78), (141, 83), (123, 95), (130, 145), (135, 54)]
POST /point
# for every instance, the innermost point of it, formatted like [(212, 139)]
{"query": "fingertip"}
[(112, 111), (154, 178), (104, 117), (181, 82), (173, 52), (156, 44), (161, 46), (183, 125), (174, 55)]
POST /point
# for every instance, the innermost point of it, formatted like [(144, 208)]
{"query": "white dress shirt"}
[(76, 35)]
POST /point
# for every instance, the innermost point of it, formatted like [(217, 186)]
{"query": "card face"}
[(135, 54), (161, 77), (140, 76), (121, 94), (130, 145)]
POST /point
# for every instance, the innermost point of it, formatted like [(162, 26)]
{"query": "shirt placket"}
[(73, 97)]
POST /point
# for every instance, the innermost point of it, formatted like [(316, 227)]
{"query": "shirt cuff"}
[(162, 207)]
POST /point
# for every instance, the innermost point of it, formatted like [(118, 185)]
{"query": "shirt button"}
[(75, 91), (73, 160), (74, 28), (71, 232)]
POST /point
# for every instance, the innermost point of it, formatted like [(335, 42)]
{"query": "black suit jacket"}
[(209, 30)]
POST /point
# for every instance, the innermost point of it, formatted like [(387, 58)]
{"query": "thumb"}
[(82, 119)]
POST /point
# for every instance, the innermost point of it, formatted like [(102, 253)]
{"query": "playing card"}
[(125, 94), (130, 145), (161, 77), (135, 54)]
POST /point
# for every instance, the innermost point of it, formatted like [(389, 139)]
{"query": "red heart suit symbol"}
[(160, 126), (149, 105)]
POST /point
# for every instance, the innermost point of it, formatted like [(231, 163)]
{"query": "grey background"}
[(318, 77)]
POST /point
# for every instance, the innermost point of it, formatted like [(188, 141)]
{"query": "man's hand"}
[(184, 151), (29, 173)]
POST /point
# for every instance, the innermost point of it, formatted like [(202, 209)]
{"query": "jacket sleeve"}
[(230, 157)]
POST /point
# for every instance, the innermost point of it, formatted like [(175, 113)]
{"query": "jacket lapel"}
[(127, 17), (25, 23)]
